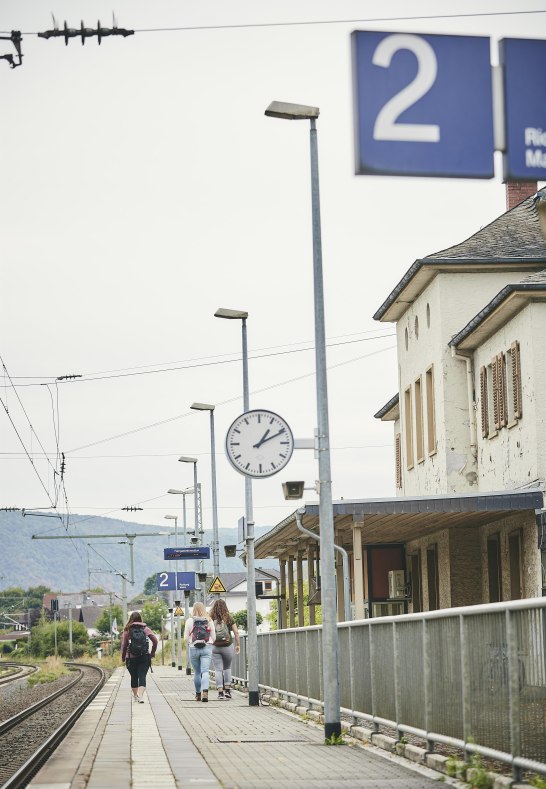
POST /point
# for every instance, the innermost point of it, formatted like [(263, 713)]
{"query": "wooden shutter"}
[(398, 459), (516, 379), (496, 406), (503, 401), (483, 402)]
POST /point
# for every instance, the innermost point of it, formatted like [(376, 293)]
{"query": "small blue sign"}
[(180, 554), (167, 582), (524, 62), (423, 105)]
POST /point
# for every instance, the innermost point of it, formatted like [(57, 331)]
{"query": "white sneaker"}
[(140, 701)]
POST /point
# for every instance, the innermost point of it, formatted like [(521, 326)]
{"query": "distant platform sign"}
[(524, 66), (217, 587), (180, 554), (167, 582)]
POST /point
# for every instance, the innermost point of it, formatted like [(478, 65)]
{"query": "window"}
[(431, 417), (416, 327), (406, 338), (398, 459), (428, 315), (514, 558), (419, 433), (494, 568), (408, 416), (500, 391), (433, 582)]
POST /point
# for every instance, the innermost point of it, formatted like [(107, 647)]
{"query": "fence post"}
[(465, 680), (427, 674), (513, 690), (352, 673), (372, 675), (397, 684)]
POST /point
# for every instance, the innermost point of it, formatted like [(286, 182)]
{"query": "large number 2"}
[(385, 127), (163, 579)]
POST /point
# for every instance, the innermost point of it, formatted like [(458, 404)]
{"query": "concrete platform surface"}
[(171, 741)]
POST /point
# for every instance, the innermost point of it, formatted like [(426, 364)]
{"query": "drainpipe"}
[(344, 557), (467, 357)]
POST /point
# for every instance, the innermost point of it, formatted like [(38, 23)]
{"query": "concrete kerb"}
[(361, 734)]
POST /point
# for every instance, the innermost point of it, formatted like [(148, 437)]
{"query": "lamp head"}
[(202, 407), (171, 517), (185, 459), (291, 112), (222, 312)]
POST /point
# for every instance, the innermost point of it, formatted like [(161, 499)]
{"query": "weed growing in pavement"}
[(334, 739), (473, 771), (538, 782)]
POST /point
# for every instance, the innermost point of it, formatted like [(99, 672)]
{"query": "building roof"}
[(390, 410), (232, 580), (398, 519), (507, 303), (513, 241)]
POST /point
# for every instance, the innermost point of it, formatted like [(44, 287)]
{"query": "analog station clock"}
[(259, 443)]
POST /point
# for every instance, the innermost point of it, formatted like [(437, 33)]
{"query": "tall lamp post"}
[(171, 593), (332, 717), (215, 541), (186, 459), (253, 690), (184, 493)]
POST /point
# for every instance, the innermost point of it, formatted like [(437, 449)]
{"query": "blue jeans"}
[(200, 661)]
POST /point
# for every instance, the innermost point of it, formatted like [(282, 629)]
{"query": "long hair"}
[(199, 610), (220, 613), (135, 617)]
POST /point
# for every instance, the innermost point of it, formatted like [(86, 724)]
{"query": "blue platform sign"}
[(167, 582), (423, 105), (524, 62), (180, 554)]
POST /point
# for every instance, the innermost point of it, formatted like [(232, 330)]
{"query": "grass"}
[(52, 669)]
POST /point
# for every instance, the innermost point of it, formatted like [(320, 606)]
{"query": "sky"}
[(143, 188)]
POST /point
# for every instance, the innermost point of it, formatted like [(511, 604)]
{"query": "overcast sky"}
[(143, 188)]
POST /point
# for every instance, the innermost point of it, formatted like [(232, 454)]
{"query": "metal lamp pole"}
[(215, 541), (332, 716), (171, 593), (185, 459), (252, 638)]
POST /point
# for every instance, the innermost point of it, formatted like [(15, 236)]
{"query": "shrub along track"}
[(29, 737)]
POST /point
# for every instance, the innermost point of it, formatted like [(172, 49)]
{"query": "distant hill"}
[(67, 565)]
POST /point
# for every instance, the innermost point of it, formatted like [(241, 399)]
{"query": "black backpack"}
[(200, 632), (138, 642)]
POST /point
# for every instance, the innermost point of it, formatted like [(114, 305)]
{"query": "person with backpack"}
[(223, 648), (199, 635), (135, 651)]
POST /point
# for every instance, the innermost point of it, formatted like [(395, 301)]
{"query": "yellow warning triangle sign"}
[(217, 587), (178, 612)]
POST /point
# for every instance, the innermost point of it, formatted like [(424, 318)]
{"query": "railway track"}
[(20, 670), (28, 738)]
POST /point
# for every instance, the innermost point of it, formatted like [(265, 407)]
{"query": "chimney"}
[(518, 191)]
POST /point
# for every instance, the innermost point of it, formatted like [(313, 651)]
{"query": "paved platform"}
[(171, 741)]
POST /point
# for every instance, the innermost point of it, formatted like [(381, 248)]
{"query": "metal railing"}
[(472, 677)]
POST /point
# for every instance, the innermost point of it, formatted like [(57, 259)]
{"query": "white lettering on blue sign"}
[(535, 137)]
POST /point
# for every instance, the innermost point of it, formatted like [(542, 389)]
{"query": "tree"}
[(241, 620), (150, 584), (103, 622), (43, 639), (152, 613)]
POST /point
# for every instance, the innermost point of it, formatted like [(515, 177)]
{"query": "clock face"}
[(259, 443)]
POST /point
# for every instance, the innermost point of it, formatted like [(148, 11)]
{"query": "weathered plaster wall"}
[(466, 566), (516, 454)]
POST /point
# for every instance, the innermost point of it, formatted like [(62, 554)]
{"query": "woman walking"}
[(223, 648), (135, 644), (199, 636)]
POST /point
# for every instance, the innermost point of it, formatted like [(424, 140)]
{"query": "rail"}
[(471, 677)]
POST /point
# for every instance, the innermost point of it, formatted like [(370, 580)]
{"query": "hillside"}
[(70, 565)]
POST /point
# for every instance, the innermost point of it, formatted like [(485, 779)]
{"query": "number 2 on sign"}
[(386, 127), (163, 579)]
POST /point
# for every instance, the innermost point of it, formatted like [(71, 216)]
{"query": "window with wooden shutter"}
[(431, 415), (516, 379), (484, 405), (408, 427), (502, 398), (496, 406), (398, 459)]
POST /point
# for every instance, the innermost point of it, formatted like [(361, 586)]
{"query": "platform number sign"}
[(423, 104)]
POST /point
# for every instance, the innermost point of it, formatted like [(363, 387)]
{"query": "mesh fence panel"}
[(411, 680)]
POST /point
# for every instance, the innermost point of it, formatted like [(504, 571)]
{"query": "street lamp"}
[(215, 541), (332, 717), (186, 459), (183, 493), (252, 637)]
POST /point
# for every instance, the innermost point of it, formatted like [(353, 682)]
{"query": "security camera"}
[(293, 490), (194, 540), (230, 550)]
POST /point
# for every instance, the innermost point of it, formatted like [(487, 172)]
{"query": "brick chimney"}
[(518, 191)]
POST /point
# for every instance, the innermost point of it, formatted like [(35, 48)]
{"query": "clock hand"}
[(261, 441), (264, 439)]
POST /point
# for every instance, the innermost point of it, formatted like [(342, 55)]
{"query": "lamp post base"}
[(332, 730), (188, 671), (253, 698)]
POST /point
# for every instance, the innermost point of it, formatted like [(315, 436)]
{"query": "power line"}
[(92, 377), (317, 22)]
